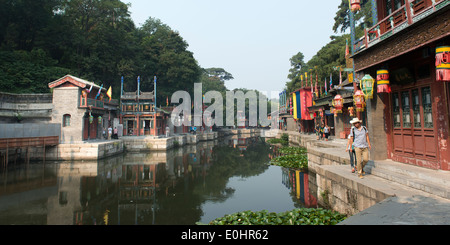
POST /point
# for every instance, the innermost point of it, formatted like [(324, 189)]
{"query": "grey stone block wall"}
[(65, 101), (26, 130)]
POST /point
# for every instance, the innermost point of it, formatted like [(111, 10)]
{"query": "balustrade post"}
[(408, 9)]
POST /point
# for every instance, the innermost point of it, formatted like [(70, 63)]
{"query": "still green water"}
[(182, 186)]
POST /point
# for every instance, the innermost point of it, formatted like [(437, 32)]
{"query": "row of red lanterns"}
[(383, 85)]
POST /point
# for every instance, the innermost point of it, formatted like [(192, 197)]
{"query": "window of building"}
[(66, 120)]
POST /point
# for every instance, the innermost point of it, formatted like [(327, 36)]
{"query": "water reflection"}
[(180, 186)]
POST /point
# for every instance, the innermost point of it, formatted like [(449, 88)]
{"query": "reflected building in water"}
[(298, 182), (166, 187)]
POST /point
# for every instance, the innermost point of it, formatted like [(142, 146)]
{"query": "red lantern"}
[(338, 104), (443, 64), (383, 81), (358, 99), (355, 5)]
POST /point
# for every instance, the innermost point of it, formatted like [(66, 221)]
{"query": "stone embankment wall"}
[(79, 151), (330, 178)]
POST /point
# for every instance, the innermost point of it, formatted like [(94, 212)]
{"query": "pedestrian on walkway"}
[(318, 131), (351, 152), (359, 137), (326, 132)]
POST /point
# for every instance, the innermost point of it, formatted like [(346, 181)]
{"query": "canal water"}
[(183, 186)]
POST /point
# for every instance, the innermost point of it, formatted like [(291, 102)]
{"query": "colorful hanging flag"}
[(109, 93), (294, 95), (340, 76), (331, 82), (326, 90), (317, 90), (99, 92)]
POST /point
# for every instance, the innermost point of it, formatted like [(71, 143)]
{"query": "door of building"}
[(413, 125)]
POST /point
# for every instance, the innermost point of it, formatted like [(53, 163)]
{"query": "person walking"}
[(109, 132), (351, 151), (326, 131), (318, 131), (359, 137)]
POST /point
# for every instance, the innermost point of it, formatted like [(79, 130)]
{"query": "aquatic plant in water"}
[(292, 157), (302, 216)]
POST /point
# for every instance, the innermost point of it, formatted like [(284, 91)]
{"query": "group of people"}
[(322, 132), (110, 134)]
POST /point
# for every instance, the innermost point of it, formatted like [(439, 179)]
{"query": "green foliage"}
[(293, 161), (42, 40), (292, 157), (303, 216), (289, 150), (284, 140), (323, 63), (332, 55), (363, 17), (28, 72)]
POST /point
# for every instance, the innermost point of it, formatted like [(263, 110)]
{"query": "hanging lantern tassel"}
[(351, 111), (443, 64), (383, 81)]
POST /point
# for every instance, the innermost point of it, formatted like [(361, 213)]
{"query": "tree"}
[(323, 63), (213, 79), (363, 18), (297, 69), (165, 55)]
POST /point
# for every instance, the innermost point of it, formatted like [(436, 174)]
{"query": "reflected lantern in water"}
[(383, 81), (358, 100), (443, 64), (366, 86)]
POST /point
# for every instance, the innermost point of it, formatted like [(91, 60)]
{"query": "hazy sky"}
[(252, 40)]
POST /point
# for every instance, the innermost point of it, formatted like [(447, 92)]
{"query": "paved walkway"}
[(420, 196), (404, 210)]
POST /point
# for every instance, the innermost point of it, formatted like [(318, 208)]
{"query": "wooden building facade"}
[(139, 114), (415, 114)]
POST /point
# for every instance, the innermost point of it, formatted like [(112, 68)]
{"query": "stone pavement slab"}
[(404, 210)]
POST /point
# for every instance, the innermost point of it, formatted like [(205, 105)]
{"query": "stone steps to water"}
[(435, 182)]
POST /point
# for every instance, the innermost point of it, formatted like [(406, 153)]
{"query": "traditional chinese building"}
[(82, 108), (407, 53), (139, 114), (303, 116)]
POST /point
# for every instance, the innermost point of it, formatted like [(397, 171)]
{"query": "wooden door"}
[(413, 126), (86, 128)]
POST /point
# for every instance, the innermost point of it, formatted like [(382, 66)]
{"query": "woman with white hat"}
[(359, 137)]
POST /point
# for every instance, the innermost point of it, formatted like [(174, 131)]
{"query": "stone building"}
[(82, 114)]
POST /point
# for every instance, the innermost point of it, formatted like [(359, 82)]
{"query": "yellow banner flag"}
[(109, 93)]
